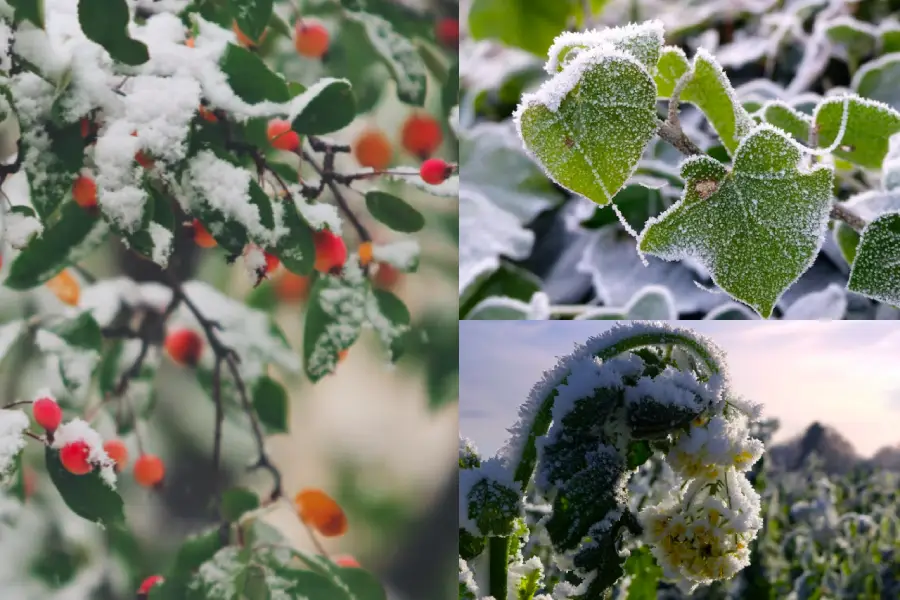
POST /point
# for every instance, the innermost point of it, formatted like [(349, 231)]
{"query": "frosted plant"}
[(755, 221), (639, 393)]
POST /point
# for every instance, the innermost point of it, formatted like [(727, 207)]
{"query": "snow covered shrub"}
[(639, 393), (164, 126), (749, 148)]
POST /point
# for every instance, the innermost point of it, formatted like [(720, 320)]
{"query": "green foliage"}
[(88, 496), (530, 25), (270, 401), (670, 68), (869, 126), (250, 78), (394, 212), (252, 16), (325, 107), (236, 502), (31, 10), (876, 267), (106, 22)]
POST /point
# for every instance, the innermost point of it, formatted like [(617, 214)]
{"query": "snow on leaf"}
[(497, 308), (877, 80), (13, 423), (876, 270), (829, 303), (653, 302), (869, 205), (731, 312), (869, 125), (856, 37), (671, 66), (588, 126), (403, 254), (785, 116), (710, 90), (74, 363), (756, 228), (640, 40)]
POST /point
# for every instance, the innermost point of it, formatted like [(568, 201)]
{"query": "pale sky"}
[(845, 374)]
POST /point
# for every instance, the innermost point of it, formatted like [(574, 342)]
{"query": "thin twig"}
[(840, 212), (678, 138), (323, 172)]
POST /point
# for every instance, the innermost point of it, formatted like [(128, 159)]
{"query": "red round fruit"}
[(281, 137), (47, 413), (149, 470), (74, 457), (447, 31), (311, 39), (117, 452), (435, 171), (84, 191), (149, 583), (331, 251), (421, 135), (184, 346), (272, 262), (202, 237)]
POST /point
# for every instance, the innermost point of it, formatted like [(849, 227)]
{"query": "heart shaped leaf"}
[(869, 125), (757, 228), (588, 126), (876, 269)]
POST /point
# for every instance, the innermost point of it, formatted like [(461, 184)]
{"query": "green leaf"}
[(450, 89), (788, 118), (589, 125), (333, 323), (81, 332), (756, 228), (671, 66), (857, 37), (250, 78), (877, 79), (639, 451), (52, 172), (47, 255), (731, 312), (876, 268), (645, 574), (270, 401), (236, 502), (296, 249), (398, 54), (29, 10), (252, 16), (390, 319), (86, 495), (869, 127), (527, 24), (313, 585), (324, 107), (509, 280), (394, 212), (642, 42), (106, 23), (710, 90), (361, 584), (500, 308)]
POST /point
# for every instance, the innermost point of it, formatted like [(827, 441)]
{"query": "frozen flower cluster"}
[(702, 530)]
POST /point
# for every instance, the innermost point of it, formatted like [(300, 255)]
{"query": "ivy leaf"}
[(47, 255), (398, 54), (501, 308), (106, 23), (236, 502), (640, 41), (877, 80), (271, 404), (788, 118), (857, 37), (731, 312), (589, 125), (869, 127), (250, 78), (876, 269), (324, 107), (671, 66), (252, 16), (757, 228), (527, 24), (87, 496), (29, 10), (394, 212), (869, 205)]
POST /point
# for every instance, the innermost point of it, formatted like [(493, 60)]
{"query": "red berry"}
[(447, 31), (311, 39), (74, 457), (373, 149), (117, 452), (202, 237), (281, 137), (47, 413), (331, 251), (184, 346), (435, 171), (345, 560), (421, 135), (272, 262), (149, 583), (149, 470), (84, 191)]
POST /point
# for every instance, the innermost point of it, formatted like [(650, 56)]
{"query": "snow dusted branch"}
[(326, 172)]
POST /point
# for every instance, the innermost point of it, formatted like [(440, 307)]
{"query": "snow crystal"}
[(79, 430), (674, 388), (318, 214), (254, 262), (75, 365), (642, 40), (20, 229), (496, 470), (12, 441), (403, 255), (162, 243), (5, 35)]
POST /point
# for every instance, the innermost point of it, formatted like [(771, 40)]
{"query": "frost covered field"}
[(680, 159), (641, 465), (227, 249)]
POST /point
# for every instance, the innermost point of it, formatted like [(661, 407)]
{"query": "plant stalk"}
[(498, 547)]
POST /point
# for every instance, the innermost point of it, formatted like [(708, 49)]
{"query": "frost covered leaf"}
[(250, 78), (51, 167), (296, 248), (829, 303), (72, 233), (394, 212), (74, 345), (530, 24), (868, 128), (788, 118), (756, 228), (589, 125), (489, 500), (194, 551), (857, 37), (13, 424), (640, 40), (106, 22), (877, 79), (876, 269), (710, 90), (252, 16), (731, 312), (30, 10), (88, 496), (397, 53), (270, 401), (232, 574), (645, 574), (652, 303), (671, 66), (328, 105), (498, 308)]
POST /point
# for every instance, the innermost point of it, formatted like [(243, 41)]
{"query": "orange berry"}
[(447, 32), (149, 583), (207, 114), (421, 135), (65, 287), (117, 451), (345, 560), (435, 171), (149, 470), (311, 38), (74, 457), (47, 414), (202, 237), (291, 287), (372, 149), (189, 42), (84, 191), (331, 251), (343, 354), (319, 510), (272, 262), (365, 253), (281, 137), (386, 277), (184, 346), (243, 40)]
